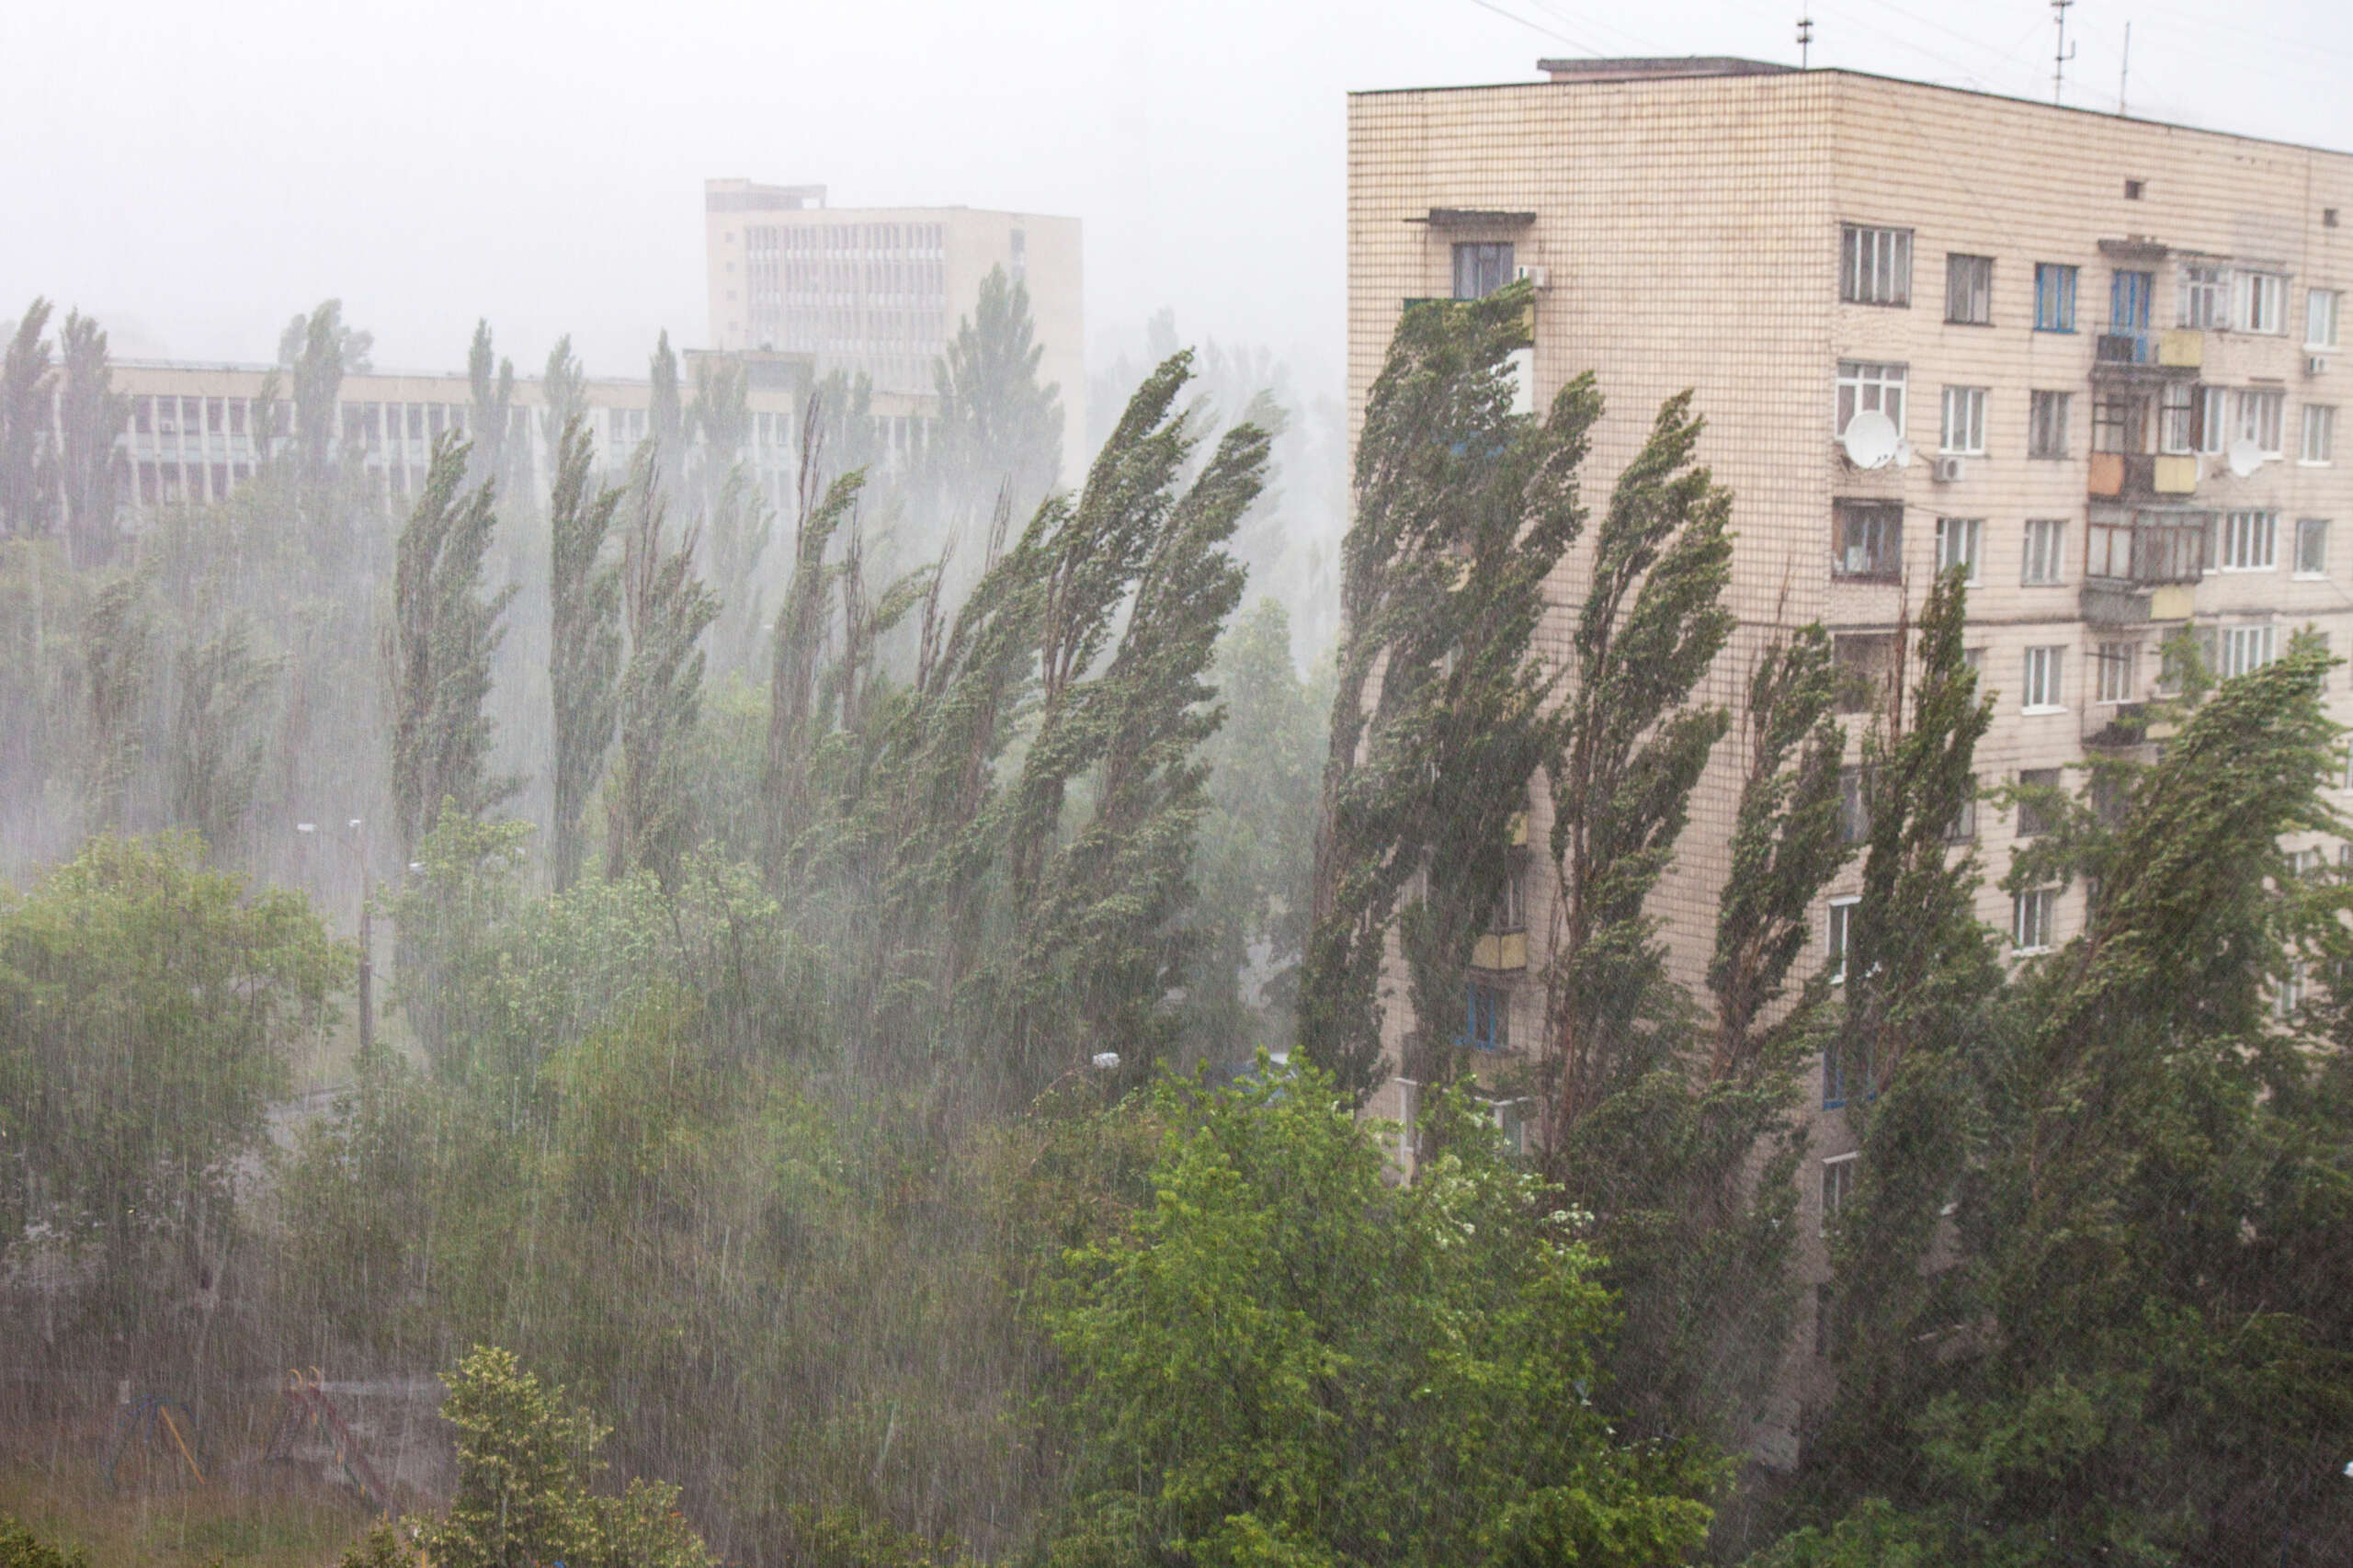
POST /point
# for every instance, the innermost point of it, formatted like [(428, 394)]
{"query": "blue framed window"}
[(1834, 1077), (2054, 297), (2128, 301), (1486, 1018)]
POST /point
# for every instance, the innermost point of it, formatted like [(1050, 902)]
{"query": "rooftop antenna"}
[(2059, 60), (2124, 73), (1806, 41)]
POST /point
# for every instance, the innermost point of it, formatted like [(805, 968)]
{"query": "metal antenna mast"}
[(2059, 60), (1806, 41), (2124, 73)]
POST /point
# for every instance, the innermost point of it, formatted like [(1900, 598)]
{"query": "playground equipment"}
[(303, 1405), (154, 1445)]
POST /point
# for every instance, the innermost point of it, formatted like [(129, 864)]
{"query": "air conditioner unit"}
[(1948, 470), (2315, 364), (1534, 276)]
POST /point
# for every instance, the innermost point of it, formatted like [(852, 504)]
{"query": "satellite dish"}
[(2244, 457), (1871, 439)]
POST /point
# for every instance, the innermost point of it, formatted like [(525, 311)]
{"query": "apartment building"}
[(879, 292), (2094, 361), (192, 434)]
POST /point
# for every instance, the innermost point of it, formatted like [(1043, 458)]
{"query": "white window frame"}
[(2260, 302), (2204, 291), (2119, 671), (2214, 420), (2322, 309), (1961, 542), (2045, 555), (1838, 935), (1874, 266), (2308, 529), (1869, 386), (2034, 919), (2247, 541), (2318, 445), (2259, 415), (1963, 430), (2233, 651), (2044, 688), (1837, 1185)]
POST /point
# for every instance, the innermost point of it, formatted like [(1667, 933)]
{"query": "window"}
[(2119, 670), (1480, 267), (2031, 919), (2249, 542), (2054, 297), (1874, 266), (1486, 1022), (2205, 296), (2044, 669), (1865, 387), (1829, 1323), (2128, 301), (1865, 663), (1968, 290), (1964, 423), (2046, 424), (1957, 545), (2046, 544), (2256, 416), (1837, 1185), (1866, 540), (1854, 807), (2213, 421), (2312, 547), (2262, 301), (2177, 419), (2291, 991), (2319, 434), (2034, 815), (2135, 188), (2120, 423), (1963, 826), (1840, 930), (1511, 914), (2320, 318), (2236, 650)]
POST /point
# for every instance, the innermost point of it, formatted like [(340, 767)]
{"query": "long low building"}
[(192, 434)]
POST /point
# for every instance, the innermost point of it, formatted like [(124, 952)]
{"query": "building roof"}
[(1654, 67)]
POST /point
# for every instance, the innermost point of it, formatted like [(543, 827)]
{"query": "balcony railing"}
[(2162, 354)]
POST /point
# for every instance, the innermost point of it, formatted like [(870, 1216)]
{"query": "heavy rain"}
[(1443, 782)]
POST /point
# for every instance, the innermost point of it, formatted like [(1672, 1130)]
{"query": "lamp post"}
[(358, 849)]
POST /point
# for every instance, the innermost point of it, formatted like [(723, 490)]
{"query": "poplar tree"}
[(27, 450), (998, 424), (91, 416), (585, 644), (563, 393), (492, 381), (217, 734), (1439, 721), (665, 415), (444, 632), (667, 607), (117, 649)]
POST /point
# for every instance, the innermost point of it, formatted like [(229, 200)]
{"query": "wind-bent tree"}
[(1439, 722), (563, 393), (444, 632), (585, 647), (90, 416), (116, 650), (667, 607), (217, 735), (492, 381), (28, 450), (998, 424), (665, 415)]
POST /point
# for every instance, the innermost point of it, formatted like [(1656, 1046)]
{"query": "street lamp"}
[(357, 848)]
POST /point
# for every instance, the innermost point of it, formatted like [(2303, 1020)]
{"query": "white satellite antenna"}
[(1871, 439), (2244, 456)]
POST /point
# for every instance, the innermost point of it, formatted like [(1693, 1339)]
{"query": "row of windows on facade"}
[(373, 423), (2182, 418), (852, 240), (913, 284), (1867, 667), (2146, 547), (2210, 295)]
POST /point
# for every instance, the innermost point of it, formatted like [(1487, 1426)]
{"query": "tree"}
[(1237, 1389), (443, 634), (525, 1463), (998, 425), (1439, 720), (320, 350), (217, 733), (493, 385), (117, 649), (147, 1007), (585, 594), (666, 608), (28, 447), (90, 416), (563, 393), (19, 1548), (665, 419)]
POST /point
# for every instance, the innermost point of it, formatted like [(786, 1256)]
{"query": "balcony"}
[(2147, 356), (1500, 951), (2127, 475)]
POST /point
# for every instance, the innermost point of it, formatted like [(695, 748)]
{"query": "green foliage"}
[(1285, 1359), (217, 734), (491, 382), (1463, 508), (147, 1007), (90, 416), (19, 1548), (116, 654), (666, 608), (998, 426), (28, 447), (525, 1463), (379, 1547), (584, 638)]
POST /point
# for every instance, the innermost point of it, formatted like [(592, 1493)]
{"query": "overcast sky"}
[(196, 173)]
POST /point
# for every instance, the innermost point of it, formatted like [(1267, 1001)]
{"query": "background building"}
[(2093, 360), (879, 292)]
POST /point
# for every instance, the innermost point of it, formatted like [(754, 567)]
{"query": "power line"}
[(1535, 26)]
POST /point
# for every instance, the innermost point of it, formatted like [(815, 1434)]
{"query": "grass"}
[(247, 1515)]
